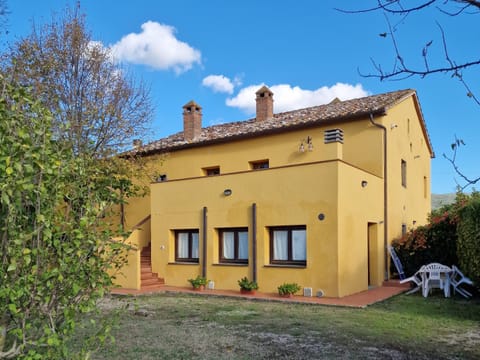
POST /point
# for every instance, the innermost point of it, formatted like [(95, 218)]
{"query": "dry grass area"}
[(180, 326)]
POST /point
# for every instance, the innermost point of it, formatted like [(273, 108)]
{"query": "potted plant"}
[(198, 283), (247, 286), (288, 289)]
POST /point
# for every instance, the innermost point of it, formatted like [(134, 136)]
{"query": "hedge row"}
[(468, 243), (452, 237)]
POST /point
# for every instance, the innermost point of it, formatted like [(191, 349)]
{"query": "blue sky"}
[(217, 52)]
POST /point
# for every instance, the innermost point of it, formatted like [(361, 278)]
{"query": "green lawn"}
[(184, 326)]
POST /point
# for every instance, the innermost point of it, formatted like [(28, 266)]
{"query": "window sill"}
[(286, 266), (229, 264), (183, 263)]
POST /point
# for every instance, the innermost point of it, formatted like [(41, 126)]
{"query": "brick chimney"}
[(264, 104), (192, 120)]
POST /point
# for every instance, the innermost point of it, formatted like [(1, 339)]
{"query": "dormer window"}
[(259, 164), (212, 171)]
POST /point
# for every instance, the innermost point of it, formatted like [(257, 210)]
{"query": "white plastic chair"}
[(456, 279), (396, 262), (416, 279), (432, 278)]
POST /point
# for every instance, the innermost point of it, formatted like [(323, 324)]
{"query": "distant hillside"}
[(438, 200)]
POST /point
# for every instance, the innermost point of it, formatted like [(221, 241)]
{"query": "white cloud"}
[(219, 83), (288, 98), (157, 46)]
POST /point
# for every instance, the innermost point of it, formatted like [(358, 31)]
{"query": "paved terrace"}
[(359, 300)]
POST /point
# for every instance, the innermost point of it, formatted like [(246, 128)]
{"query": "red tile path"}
[(361, 299)]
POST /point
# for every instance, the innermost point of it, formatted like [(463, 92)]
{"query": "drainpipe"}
[(385, 195), (254, 241), (204, 247), (122, 210)]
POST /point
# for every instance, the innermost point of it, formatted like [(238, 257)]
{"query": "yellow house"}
[(311, 196)]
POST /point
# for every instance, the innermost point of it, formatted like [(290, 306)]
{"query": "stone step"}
[(150, 282), (153, 288), (149, 275)]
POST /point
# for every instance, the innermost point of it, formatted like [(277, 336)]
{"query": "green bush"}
[(288, 288), (198, 281), (452, 237), (435, 242), (246, 284), (468, 244)]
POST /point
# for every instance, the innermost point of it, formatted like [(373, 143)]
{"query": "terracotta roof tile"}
[(334, 111)]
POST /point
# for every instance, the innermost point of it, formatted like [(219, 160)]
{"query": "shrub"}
[(435, 242), (246, 284), (198, 281), (288, 288), (452, 237), (468, 244)]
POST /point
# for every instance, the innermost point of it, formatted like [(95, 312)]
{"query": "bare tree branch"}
[(408, 71), (402, 70), (453, 161), (455, 13), (385, 5)]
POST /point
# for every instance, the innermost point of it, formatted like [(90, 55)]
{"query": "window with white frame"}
[(288, 245), (233, 245), (186, 245)]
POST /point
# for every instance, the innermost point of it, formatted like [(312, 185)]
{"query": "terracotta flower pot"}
[(199, 288)]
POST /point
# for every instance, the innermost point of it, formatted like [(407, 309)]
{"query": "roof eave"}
[(320, 122)]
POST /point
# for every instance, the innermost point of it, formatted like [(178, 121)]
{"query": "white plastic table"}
[(435, 275)]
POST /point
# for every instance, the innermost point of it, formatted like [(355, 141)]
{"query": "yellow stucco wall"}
[(128, 276), (283, 196), (293, 195), (345, 251), (408, 205), (360, 212), (279, 149)]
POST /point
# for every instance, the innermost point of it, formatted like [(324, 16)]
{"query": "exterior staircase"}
[(149, 280)]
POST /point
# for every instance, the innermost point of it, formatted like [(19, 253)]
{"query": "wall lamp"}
[(308, 142), (227, 192), (364, 183)]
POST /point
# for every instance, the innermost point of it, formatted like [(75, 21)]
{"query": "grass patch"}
[(182, 326)]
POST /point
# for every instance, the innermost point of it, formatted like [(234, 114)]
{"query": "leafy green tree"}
[(78, 80), (56, 245)]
